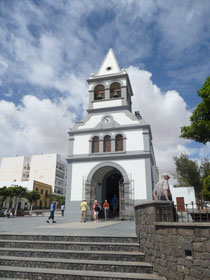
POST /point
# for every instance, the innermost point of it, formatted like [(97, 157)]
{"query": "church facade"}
[(110, 151)]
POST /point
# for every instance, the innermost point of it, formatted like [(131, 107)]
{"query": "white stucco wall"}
[(81, 144), (92, 122), (187, 192), (135, 170), (107, 103), (12, 168), (134, 141), (121, 118), (43, 168), (80, 172)]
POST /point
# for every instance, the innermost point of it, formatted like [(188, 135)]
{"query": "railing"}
[(183, 213)]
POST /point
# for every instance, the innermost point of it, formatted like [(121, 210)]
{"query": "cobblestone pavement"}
[(38, 225)]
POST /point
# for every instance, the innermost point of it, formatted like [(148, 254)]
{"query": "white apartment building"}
[(14, 169), (45, 168), (49, 169)]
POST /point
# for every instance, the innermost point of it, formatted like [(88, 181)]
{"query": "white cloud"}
[(38, 126), (205, 151), (69, 44), (165, 112), (182, 25), (34, 126)]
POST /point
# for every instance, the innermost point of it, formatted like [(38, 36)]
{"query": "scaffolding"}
[(89, 193), (126, 199)]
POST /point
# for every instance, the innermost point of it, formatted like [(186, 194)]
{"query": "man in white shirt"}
[(162, 190)]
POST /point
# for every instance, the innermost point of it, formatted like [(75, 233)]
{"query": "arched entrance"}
[(105, 181), (111, 191)]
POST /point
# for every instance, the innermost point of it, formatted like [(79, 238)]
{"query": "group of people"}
[(8, 213), (97, 208), (161, 192)]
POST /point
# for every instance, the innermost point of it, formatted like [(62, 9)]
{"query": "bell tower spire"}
[(110, 89), (109, 65)]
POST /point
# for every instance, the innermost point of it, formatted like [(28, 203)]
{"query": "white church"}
[(110, 151)]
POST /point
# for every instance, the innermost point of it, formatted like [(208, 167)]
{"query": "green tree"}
[(188, 173), (199, 129), (205, 168), (32, 197), (17, 192), (205, 193), (59, 199), (4, 193)]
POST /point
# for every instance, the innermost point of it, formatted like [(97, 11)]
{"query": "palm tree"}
[(32, 197), (17, 192)]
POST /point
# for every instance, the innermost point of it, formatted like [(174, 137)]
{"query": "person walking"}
[(6, 213), (162, 190), (114, 204), (106, 209), (83, 208), (62, 209), (10, 213), (96, 210), (52, 211)]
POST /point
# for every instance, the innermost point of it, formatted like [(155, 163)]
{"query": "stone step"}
[(74, 254), (94, 265), (49, 274), (3, 278), (44, 237), (91, 246)]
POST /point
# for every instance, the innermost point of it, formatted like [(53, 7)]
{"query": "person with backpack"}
[(96, 210)]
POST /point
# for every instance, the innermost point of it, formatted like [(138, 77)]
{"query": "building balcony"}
[(62, 169), (60, 177)]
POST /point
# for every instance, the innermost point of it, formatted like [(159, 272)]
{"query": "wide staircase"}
[(72, 257)]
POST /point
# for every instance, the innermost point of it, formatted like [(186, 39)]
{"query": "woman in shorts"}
[(96, 209)]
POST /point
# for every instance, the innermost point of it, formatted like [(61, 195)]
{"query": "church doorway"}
[(106, 184), (110, 191)]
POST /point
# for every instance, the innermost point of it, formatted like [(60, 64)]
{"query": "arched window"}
[(115, 90), (119, 143), (95, 144), (99, 92), (107, 143)]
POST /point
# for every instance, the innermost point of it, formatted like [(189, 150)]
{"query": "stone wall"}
[(177, 250)]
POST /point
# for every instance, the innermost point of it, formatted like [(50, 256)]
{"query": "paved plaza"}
[(38, 225)]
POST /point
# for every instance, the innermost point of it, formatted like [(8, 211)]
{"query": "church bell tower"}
[(110, 151), (110, 89)]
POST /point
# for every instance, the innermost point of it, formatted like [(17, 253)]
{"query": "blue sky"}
[(49, 48)]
